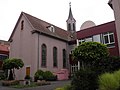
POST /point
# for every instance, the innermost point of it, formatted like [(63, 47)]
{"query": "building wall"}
[(116, 8), (50, 43), (27, 46), (97, 31), (23, 47)]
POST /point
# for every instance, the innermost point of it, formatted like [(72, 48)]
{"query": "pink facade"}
[(26, 44)]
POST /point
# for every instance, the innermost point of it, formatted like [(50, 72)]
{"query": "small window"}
[(109, 39), (22, 24)]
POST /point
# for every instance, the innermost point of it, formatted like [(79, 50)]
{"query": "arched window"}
[(69, 27), (22, 24), (73, 26), (54, 57), (64, 58), (44, 55)]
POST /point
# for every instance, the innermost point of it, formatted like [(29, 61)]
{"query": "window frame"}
[(43, 55), (55, 57), (109, 44), (64, 58)]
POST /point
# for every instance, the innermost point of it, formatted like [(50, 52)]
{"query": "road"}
[(54, 84)]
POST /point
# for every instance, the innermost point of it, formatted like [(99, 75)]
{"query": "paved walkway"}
[(54, 84)]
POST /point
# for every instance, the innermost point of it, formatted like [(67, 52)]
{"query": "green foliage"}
[(49, 76), (27, 77), (90, 52), (67, 87), (39, 75), (84, 79), (2, 76), (117, 77), (108, 81), (11, 64)]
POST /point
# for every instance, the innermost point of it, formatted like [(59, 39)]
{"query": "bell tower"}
[(71, 22)]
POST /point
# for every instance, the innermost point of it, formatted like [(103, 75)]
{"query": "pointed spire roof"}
[(70, 13)]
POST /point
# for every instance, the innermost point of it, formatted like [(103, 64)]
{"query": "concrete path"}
[(54, 84)]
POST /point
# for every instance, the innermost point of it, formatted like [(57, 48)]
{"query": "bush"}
[(67, 87), (27, 77), (108, 81), (49, 76), (38, 75), (2, 76), (84, 79), (117, 76)]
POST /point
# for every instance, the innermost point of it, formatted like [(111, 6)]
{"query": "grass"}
[(66, 87)]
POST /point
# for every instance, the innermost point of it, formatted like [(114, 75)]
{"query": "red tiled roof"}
[(4, 48), (41, 26)]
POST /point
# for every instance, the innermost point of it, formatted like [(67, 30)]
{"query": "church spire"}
[(71, 22)]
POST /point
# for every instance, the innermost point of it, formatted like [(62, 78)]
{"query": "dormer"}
[(51, 28)]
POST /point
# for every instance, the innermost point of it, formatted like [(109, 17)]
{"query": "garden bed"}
[(21, 83)]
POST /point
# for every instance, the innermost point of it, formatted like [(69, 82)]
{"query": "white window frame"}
[(108, 35)]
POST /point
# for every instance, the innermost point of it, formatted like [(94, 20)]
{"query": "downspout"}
[(38, 54), (78, 60)]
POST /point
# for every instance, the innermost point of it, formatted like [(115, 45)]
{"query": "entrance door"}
[(28, 71)]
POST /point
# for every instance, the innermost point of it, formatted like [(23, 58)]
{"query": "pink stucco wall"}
[(25, 46)]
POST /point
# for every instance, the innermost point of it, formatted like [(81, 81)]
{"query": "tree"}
[(11, 64), (90, 52)]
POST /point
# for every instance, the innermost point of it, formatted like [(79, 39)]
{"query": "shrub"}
[(27, 77), (38, 75), (84, 79), (117, 77), (49, 76), (2, 76), (67, 87), (107, 81)]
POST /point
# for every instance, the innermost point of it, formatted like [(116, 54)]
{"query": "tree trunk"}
[(10, 75)]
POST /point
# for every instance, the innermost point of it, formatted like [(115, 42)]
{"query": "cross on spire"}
[(70, 4)]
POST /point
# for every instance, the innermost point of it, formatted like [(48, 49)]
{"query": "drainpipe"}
[(38, 54), (78, 61)]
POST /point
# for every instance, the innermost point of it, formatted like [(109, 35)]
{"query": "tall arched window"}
[(44, 55), (64, 58), (54, 57)]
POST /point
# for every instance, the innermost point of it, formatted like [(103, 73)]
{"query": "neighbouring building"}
[(4, 52), (42, 45)]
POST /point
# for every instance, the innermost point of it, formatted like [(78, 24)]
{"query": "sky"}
[(53, 11)]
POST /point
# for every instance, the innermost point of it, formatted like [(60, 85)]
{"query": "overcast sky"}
[(53, 11)]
